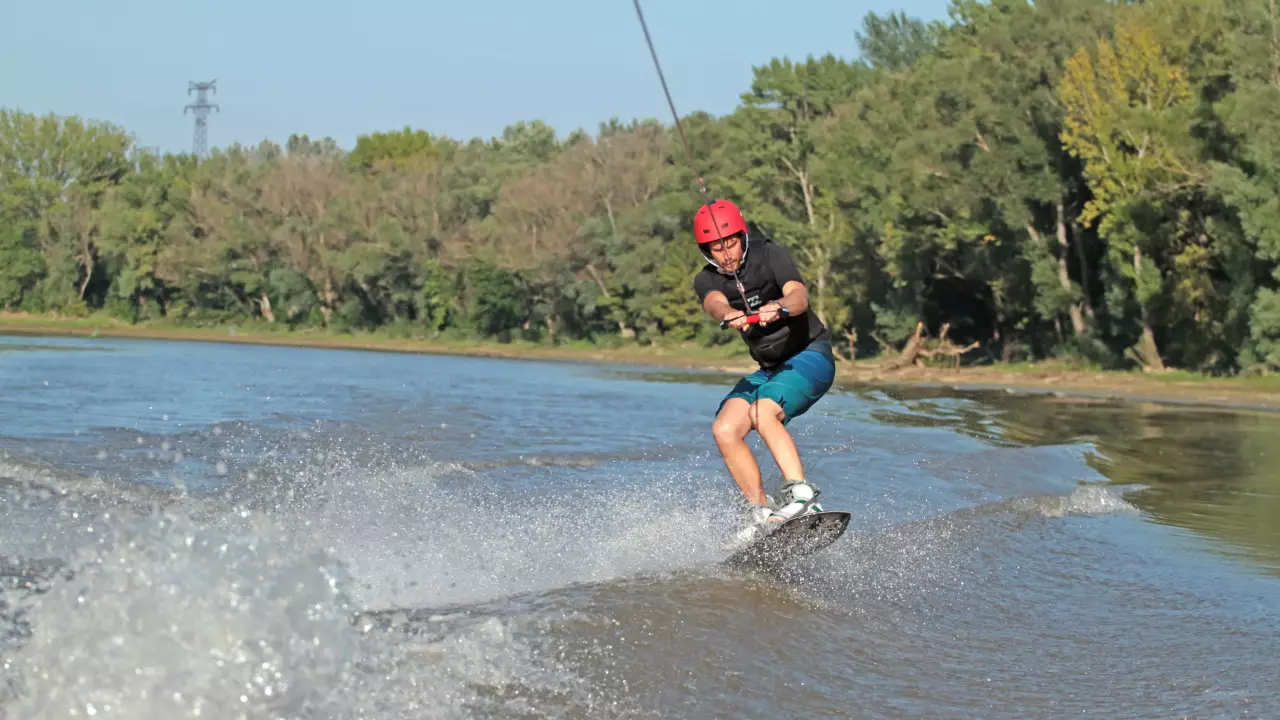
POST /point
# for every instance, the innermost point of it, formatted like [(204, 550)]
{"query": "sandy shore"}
[(1256, 393), (1230, 393)]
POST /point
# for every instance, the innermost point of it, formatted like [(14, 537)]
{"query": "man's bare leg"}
[(730, 430), (767, 416)]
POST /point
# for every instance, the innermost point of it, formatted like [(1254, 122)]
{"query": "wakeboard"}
[(794, 538)]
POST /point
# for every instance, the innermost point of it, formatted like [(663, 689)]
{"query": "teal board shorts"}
[(795, 385)]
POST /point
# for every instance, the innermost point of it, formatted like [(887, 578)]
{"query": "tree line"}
[(1081, 178)]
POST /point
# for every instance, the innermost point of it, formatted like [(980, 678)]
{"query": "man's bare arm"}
[(795, 297), (717, 306)]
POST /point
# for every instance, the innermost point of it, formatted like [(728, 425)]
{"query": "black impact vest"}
[(779, 340)]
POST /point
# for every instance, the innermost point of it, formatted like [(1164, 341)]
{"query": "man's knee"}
[(727, 430), (732, 424), (766, 412)]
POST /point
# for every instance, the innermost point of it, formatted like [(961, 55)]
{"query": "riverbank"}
[(1042, 377)]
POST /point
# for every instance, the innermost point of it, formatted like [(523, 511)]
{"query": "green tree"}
[(773, 132), (21, 267), (896, 41), (398, 149), (54, 173), (1127, 117)]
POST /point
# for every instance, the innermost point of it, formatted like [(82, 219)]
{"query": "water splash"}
[(436, 535), (208, 608), (196, 624)]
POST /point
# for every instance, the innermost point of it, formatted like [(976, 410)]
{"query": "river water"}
[(224, 531)]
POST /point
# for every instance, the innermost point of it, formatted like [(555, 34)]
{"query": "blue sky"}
[(462, 69)]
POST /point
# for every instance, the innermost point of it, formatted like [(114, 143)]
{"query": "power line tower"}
[(200, 108)]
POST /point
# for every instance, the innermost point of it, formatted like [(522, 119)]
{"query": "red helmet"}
[(726, 216)]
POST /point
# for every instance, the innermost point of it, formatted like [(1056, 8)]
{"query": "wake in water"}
[(157, 604), (167, 618), (189, 623), (904, 563), (256, 602)]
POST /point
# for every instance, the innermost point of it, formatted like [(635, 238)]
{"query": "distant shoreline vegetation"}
[(1081, 183), (1065, 378)]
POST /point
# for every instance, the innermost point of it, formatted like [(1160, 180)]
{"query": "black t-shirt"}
[(767, 269)]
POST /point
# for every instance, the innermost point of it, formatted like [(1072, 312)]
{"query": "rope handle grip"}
[(751, 320)]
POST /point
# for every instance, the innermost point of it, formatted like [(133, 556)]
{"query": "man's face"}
[(727, 252)]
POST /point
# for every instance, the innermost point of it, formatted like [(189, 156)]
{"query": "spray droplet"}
[(220, 467)]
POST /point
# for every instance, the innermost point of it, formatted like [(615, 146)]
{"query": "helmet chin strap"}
[(746, 245)]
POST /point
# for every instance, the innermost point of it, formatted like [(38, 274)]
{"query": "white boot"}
[(796, 498)]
